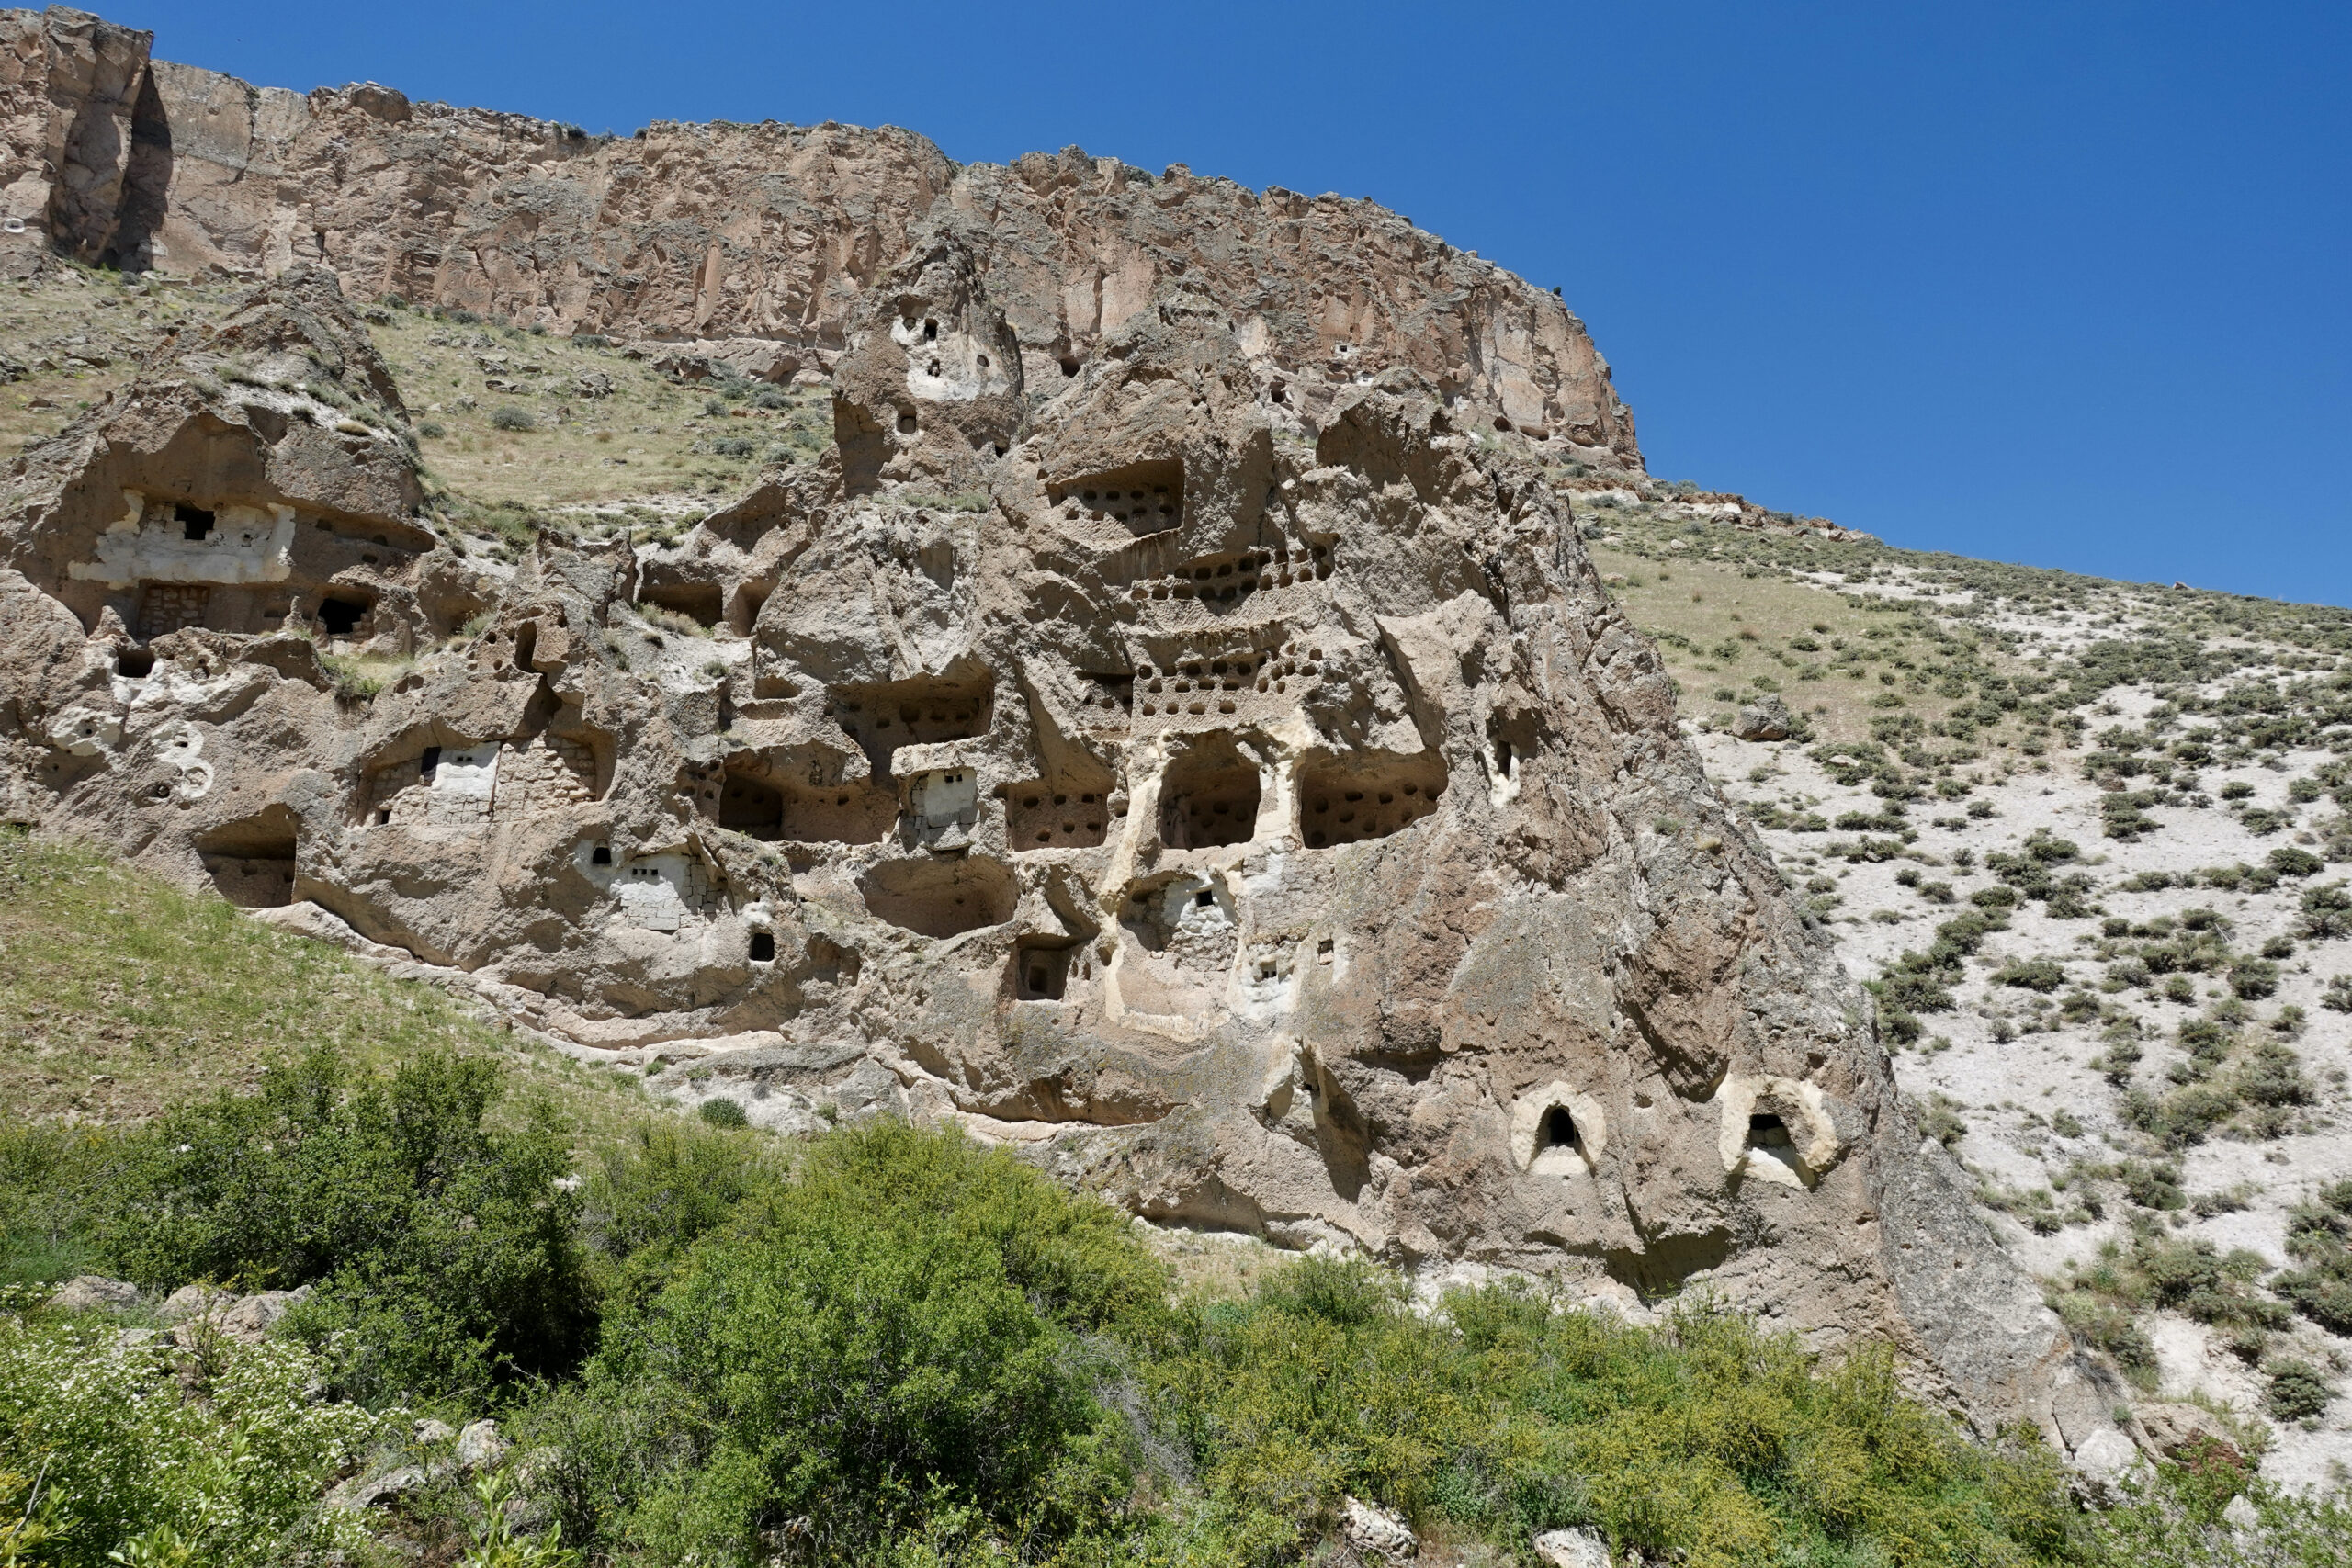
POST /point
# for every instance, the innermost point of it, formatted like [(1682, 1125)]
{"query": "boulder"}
[(193, 1301), (480, 1446), (1581, 1546), (1377, 1532), (2102, 1462), (1766, 718), (377, 1491), (2175, 1430), (94, 1293)]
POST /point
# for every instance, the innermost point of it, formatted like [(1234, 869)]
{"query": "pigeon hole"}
[(1225, 579), (1147, 497), (918, 712), (1348, 797), (1105, 702), (1208, 795), (1040, 814), (940, 898)]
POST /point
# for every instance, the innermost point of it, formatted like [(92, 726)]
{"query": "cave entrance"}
[(1040, 973), (341, 616), (703, 603), (252, 861), (940, 898), (1560, 1147), (848, 813), (918, 712), (751, 805), (196, 521)]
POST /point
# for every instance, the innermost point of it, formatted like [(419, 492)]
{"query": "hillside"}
[(1194, 691)]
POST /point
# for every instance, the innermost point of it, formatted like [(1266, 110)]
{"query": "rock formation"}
[(1255, 805), (755, 243)]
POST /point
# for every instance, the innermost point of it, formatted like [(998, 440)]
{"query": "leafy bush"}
[(2032, 974), (506, 416), (899, 1331), (2252, 978), (2297, 1390), (217, 1458), (721, 1112), (2175, 1518), (2327, 911), (1707, 1442), (443, 1245)]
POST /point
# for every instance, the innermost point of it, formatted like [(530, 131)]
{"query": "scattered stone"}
[(431, 1434)]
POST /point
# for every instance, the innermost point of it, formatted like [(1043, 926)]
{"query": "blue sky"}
[(2061, 284)]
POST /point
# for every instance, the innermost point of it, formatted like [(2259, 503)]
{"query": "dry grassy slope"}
[(2180, 741), (1955, 707), (609, 434), (121, 996)]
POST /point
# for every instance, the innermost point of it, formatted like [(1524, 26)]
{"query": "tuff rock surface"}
[(752, 245), (1253, 805)]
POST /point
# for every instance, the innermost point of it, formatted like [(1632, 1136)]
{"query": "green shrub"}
[(2296, 1391), (443, 1244), (217, 1458), (506, 416), (2032, 974), (903, 1329), (2175, 1518), (1707, 1442), (721, 1112), (2327, 911), (2252, 978)]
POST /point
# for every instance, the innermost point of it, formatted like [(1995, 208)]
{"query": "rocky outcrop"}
[(755, 245), (1270, 823)]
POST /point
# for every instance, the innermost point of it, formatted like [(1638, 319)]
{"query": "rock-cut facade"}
[(1252, 806)]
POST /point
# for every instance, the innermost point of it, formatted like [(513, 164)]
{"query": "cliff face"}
[(1227, 779), (764, 233)]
